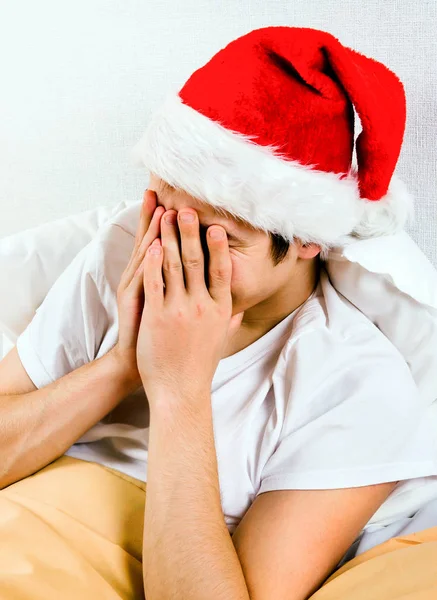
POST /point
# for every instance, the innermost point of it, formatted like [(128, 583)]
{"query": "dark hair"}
[(278, 248)]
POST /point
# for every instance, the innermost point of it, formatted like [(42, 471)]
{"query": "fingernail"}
[(147, 195), (216, 234), (155, 249), (187, 217), (170, 218)]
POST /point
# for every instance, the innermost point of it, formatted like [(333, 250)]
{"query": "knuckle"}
[(220, 275), (172, 265), (178, 313), (200, 309), (194, 262)]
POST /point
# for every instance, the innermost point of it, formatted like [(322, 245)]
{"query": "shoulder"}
[(328, 321), (328, 311), (335, 353)]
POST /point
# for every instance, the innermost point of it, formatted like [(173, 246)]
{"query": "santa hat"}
[(265, 131)]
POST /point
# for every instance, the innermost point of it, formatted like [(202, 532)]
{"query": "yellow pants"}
[(74, 531)]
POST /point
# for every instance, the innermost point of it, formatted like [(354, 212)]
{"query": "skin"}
[(187, 549), (264, 292)]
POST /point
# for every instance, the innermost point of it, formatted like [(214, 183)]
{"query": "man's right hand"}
[(130, 292)]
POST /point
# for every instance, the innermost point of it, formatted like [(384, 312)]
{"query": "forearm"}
[(187, 549), (38, 427)]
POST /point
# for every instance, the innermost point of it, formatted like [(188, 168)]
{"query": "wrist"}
[(168, 401), (125, 369)]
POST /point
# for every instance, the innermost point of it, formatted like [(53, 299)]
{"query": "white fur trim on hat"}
[(230, 171)]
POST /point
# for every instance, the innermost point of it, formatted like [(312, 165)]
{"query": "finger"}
[(173, 273), (147, 209), (146, 213), (140, 251), (193, 260), (220, 266), (152, 275), (136, 285)]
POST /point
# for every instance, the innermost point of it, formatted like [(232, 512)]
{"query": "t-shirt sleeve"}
[(352, 416), (68, 326)]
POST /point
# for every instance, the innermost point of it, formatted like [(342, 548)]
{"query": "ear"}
[(306, 251)]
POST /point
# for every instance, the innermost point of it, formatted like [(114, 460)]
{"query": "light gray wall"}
[(79, 79)]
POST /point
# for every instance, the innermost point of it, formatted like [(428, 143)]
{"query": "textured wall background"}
[(78, 81)]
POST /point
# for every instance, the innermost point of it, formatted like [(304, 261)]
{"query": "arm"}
[(76, 390), (38, 427), (187, 549), (289, 541), (286, 545)]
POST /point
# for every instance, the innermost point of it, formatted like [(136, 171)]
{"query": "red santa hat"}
[(265, 131)]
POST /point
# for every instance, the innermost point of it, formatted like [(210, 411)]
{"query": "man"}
[(256, 401)]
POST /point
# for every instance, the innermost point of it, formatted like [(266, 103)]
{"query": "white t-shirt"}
[(323, 400)]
